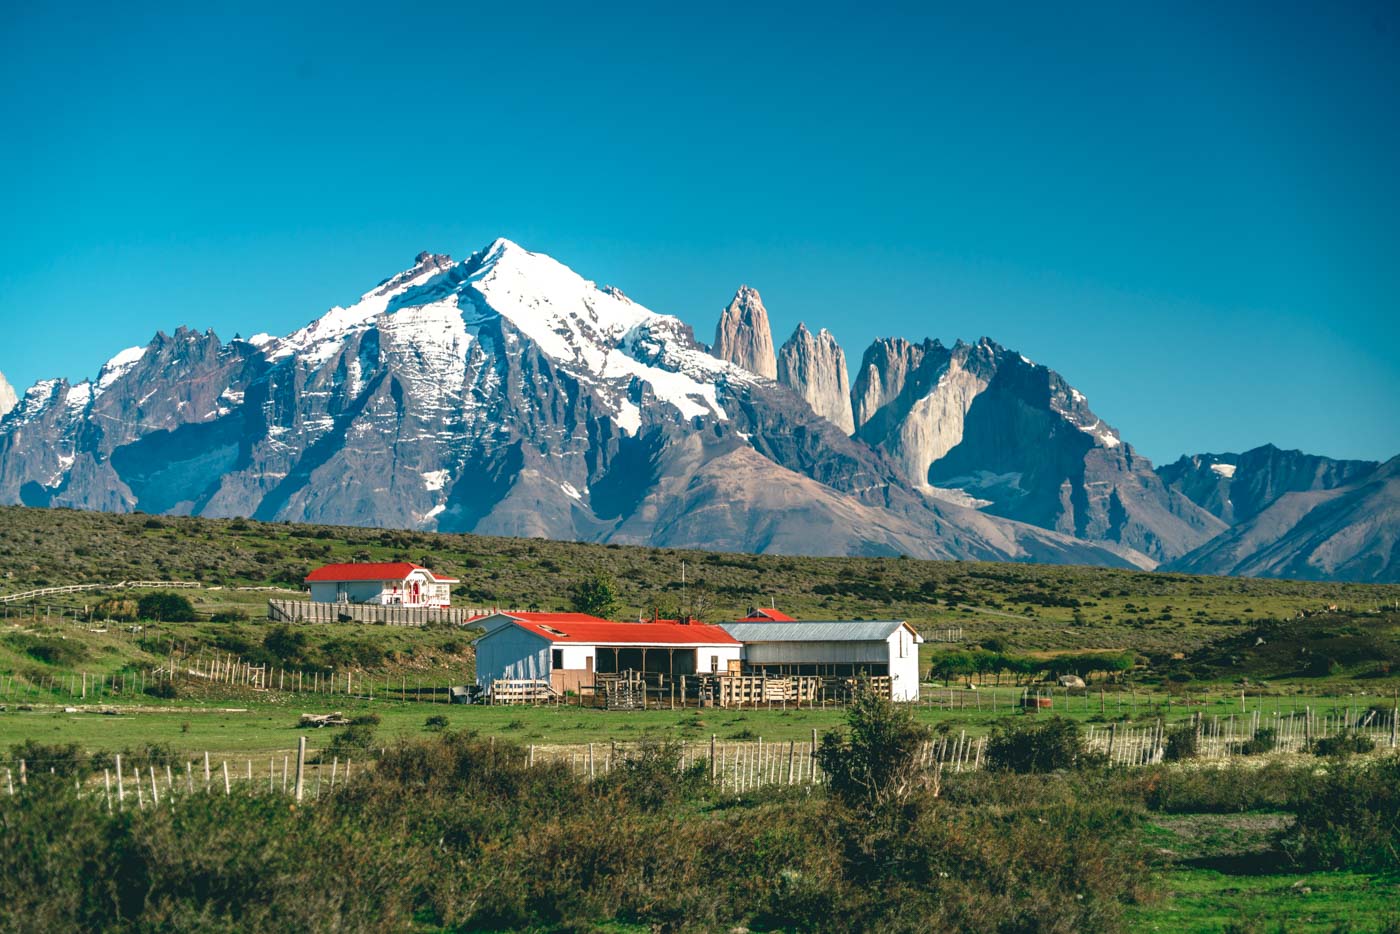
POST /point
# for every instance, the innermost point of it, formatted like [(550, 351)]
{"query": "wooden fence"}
[(305, 611), (78, 588)]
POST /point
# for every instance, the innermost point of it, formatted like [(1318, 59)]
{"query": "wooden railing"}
[(78, 588)]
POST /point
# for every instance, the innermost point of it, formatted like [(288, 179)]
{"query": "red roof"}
[(591, 631), (393, 571), (542, 617), (767, 614)]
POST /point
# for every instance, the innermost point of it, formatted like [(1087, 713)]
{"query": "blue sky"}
[(1190, 212)]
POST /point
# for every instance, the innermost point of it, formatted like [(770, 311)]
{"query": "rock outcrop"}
[(1237, 487), (743, 336), (814, 366), (988, 426), (8, 399)]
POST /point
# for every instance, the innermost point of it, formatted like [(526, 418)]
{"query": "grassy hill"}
[(1033, 607)]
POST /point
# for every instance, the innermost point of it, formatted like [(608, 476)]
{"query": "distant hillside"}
[(1029, 605), (1345, 533)]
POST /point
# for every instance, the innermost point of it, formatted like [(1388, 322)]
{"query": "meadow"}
[(1200, 845)]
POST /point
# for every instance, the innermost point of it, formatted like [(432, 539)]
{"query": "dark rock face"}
[(503, 394), (1347, 533), (743, 336), (814, 367), (1014, 436), (1237, 487)]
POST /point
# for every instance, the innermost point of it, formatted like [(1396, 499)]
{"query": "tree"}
[(170, 607), (877, 764), (595, 595)]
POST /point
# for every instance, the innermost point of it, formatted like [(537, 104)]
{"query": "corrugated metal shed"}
[(815, 631)]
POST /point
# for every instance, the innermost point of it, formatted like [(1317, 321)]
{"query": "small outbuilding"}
[(390, 584), (834, 648)]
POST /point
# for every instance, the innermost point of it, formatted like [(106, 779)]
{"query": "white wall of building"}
[(903, 648), (389, 593)]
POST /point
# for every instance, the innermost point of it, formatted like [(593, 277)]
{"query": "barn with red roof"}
[(398, 583), (569, 649)]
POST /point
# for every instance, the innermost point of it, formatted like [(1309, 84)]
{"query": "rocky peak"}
[(8, 399), (814, 366), (423, 263), (743, 336)]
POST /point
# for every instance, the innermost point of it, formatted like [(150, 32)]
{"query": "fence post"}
[(712, 757), (792, 758), (121, 791), (227, 789), (301, 765)]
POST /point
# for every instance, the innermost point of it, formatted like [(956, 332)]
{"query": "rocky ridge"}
[(743, 336), (814, 366)]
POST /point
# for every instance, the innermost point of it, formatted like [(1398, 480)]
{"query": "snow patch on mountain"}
[(1225, 470), (117, 367)]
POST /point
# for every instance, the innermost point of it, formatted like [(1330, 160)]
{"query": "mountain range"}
[(506, 394)]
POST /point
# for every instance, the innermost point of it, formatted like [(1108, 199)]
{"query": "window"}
[(558, 658), (714, 663)]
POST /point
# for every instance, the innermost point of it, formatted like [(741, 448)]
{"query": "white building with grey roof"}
[(834, 648)]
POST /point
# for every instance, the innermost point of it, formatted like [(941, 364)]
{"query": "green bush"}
[(1039, 746), (461, 834), (1264, 740), (51, 650), (436, 723), (166, 690), (1182, 743), (877, 762), (1349, 819), (1345, 743), (169, 607), (65, 759)]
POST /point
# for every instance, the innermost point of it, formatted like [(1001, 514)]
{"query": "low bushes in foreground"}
[(1349, 818), (461, 833)]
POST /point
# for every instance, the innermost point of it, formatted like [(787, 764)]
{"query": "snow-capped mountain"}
[(504, 394), (507, 394)]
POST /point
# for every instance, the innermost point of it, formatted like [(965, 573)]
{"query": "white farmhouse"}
[(393, 584), (834, 648), (568, 649)]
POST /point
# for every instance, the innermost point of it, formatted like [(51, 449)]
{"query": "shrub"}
[(436, 723), (165, 690), (1347, 819), (51, 650), (170, 607), (65, 759), (877, 763), (119, 609), (1182, 743), (1043, 746), (650, 777), (355, 740), (1344, 743), (1264, 740)]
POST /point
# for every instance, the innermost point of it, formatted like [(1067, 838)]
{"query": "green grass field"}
[(1199, 643)]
